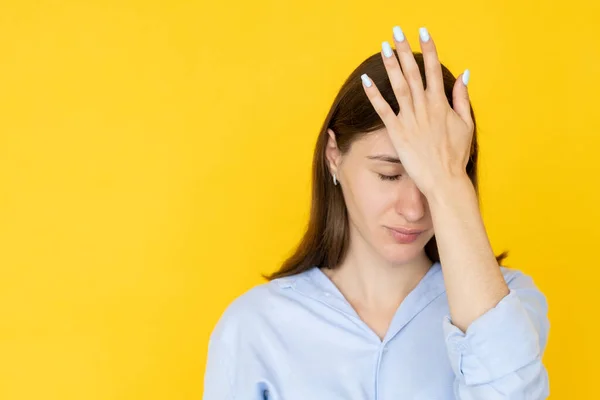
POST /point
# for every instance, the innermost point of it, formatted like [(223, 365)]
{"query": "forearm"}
[(474, 282)]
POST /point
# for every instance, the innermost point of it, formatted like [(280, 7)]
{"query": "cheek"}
[(370, 195)]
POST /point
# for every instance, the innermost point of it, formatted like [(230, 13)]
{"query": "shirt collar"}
[(315, 284)]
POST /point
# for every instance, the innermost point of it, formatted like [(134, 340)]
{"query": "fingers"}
[(381, 106), (410, 69), (397, 80), (460, 98), (407, 84), (433, 68)]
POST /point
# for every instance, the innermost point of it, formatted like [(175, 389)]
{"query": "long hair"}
[(351, 116)]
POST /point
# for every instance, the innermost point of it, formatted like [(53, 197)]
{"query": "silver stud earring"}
[(335, 180)]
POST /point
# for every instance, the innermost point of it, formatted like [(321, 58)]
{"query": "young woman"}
[(394, 292)]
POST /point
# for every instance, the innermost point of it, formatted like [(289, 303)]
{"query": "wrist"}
[(458, 186)]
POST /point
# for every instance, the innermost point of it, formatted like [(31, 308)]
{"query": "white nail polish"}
[(398, 34), (387, 49), (424, 34), (366, 80), (466, 76)]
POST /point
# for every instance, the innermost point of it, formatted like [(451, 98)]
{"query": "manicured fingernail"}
[(387, 49), (466, 76), (424, 34), (366, 80), (398, 34)]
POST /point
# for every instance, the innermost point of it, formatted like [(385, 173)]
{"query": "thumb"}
[(460, 98)]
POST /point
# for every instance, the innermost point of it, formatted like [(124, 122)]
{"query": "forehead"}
[(377, 142)]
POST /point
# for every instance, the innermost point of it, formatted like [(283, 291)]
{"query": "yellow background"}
[(155, 159)]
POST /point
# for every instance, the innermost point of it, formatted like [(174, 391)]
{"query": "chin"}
[(401, 254)]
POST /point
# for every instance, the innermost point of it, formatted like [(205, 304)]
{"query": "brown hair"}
[(351, 116)]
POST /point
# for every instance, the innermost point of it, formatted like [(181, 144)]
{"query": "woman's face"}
[(380, 196)]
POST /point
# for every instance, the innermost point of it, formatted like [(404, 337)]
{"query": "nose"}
[(410, 202)]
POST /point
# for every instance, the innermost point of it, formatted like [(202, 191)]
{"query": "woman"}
[(394, 291)]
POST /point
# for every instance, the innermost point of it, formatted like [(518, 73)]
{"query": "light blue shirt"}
[(298, 338)]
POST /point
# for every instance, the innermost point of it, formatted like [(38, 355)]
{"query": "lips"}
[(404, 238), (408, 231)]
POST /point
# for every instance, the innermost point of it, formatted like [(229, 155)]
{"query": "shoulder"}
[(524, 294), (515, 277), (519, 281), (523, 286), (257, 305)]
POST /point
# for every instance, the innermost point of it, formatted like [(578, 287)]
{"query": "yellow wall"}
[(155, 159)]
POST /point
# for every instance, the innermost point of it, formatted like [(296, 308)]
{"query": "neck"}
[(367, 280)]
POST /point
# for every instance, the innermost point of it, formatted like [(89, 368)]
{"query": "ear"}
[(332, 153)]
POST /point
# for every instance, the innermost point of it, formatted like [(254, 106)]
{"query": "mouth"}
[(404, 238), (407, 231)]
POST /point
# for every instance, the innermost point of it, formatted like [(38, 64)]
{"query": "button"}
[(327, 294), (286, 283), (457, 343), (454, 339), (461, 347)]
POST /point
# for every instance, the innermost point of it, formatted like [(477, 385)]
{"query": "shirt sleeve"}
[(218, 377), (500, 355)]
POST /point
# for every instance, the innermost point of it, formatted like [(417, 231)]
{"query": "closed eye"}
[(389, 177)]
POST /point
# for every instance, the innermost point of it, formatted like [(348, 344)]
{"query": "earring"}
[(335, 180)]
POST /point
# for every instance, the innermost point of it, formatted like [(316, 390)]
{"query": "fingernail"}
[(424, 34), (387, 49), (466, 76), (366, 80), (398, 34)]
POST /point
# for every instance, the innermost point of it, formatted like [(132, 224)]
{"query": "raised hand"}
[(433, 140)]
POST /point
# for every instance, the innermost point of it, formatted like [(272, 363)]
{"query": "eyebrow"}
[(383, 157)]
